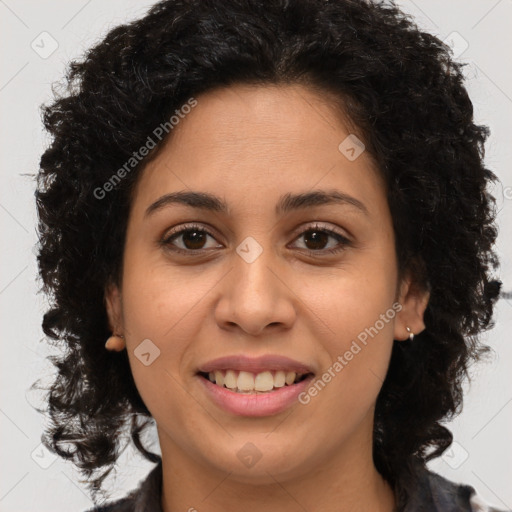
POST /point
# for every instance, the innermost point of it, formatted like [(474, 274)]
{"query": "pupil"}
[(197, 239), (316, 237)]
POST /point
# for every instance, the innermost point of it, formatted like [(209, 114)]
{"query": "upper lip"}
[(260, 364)]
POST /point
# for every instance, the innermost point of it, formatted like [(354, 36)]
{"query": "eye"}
[(316, 237), (193, 238)]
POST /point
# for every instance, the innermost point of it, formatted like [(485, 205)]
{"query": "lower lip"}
[(264, 404)]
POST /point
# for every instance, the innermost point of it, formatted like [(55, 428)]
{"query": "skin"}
[(249, 145)]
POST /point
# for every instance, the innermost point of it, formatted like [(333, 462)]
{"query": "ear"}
[(114, 309), (414, 300)]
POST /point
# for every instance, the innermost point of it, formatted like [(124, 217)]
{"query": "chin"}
[(260, 461)]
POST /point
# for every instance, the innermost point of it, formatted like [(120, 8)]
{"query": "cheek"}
[(353, 299), (159, 298), (359, 354), (357, 306), (163, 304)]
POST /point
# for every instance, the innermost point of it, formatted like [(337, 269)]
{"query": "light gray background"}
[(482, 453)]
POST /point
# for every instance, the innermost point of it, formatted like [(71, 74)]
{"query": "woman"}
[(276, 214)]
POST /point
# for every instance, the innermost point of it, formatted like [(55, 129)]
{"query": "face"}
[(314, 281)]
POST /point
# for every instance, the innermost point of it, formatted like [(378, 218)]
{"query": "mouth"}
[(249, 394), (249, 383)]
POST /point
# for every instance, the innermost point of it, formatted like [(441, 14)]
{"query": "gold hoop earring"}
[(115, 343), (411, 335)]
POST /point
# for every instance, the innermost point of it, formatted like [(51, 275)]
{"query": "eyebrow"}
[(287, 203)]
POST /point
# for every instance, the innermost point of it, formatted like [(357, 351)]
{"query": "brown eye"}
[(316, 238), (193, 239)]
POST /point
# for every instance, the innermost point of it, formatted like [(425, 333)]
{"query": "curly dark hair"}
[(399, 85)]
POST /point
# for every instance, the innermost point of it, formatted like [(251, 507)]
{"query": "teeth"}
[(247, 382), (279, 379), (230, 379), (218, 377), (263, 382), (290, 377)]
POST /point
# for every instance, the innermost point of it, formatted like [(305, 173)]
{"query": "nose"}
[(257, 295)]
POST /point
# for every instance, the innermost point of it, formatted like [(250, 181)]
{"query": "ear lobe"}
[(414, 300), (114, 307)]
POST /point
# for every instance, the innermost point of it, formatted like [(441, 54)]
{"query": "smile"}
[(251, 383), (252, 402)]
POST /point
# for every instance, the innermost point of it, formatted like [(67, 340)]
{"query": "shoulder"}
[(434, 492), (145, 498)]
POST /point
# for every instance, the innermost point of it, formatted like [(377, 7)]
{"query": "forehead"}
[(251, 142), (280, 116)]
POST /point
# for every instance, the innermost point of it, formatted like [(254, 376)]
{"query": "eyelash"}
[(166, 241)]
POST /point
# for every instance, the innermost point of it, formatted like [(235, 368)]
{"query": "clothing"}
[(433, 493)]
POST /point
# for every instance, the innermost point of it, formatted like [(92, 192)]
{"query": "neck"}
[(347, 482)]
